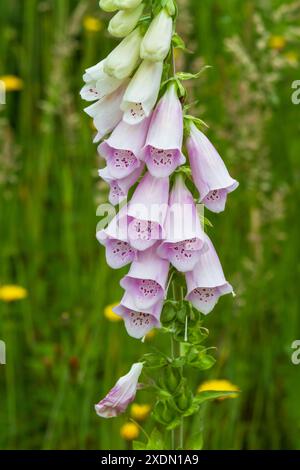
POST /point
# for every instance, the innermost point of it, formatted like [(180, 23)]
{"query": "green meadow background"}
[(63, 354)]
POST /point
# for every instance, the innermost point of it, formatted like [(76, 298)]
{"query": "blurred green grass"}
[(62, 354)]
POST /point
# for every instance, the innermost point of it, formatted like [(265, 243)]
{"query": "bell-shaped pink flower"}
[(207, 283), (106, 113), (147, 279), (162, 152), (119, 253), (122, 149), (209, 172), (184, 241), (147, 211), (119, 187), (121, 395), (138, 322)]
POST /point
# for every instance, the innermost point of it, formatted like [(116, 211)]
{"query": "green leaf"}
[(178, 362), (191, 76), (198, 122), (154, 360), (205, 221), (202, 362), (182, 313), (169, 312), (202, 397), (178, 43), (174, 424)]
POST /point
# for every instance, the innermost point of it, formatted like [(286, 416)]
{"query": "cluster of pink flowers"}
[(158, 227)]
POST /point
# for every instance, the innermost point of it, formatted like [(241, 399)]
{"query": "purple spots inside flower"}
[(90, 93), (216, 200), (205, 294), (161, 162), (119, 253), (185, 255), (94, 91), (204, 298), (149, 288), (147, 292), (143, 233), (138, 324), (140, 319), (116, 194), (122, 163), (213, 196), (137, 111)]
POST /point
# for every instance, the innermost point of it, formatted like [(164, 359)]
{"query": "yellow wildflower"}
[(92, 24), (11, 83), (110, 315), (11, 293), (129, 431), (219, 386), (292, 57), (140, 412), (277, 42)]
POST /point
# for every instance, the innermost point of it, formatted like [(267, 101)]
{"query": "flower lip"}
[(115, 238), (162, 151), (207, 283), (119, 187), (185, 241), (122, 149), (138, 323), (142, 92), (97, 83), (147, 279), (106, 113), (209, 172)]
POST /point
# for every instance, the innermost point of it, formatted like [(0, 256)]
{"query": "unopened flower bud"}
[(122, 61), (127, 4), (172, 379), (157, 40), (108, 5), (124, 22)]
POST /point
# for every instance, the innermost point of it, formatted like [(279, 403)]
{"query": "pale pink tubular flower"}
[(138, 322), (147, 279), (142, 92), (97, 83), (121, 395), (209, 172), (122, 149), (207, 283), (106, 112), (184, 241), (119, 187), (162, 152), (147, 211), (119, 253)]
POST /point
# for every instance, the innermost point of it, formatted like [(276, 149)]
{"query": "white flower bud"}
[(127, 4), (157, 41), (124, 22), (122, 61), (108, 5)]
